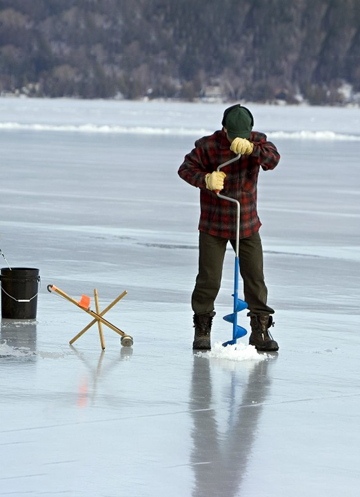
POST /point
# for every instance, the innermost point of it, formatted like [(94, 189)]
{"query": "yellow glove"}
[(215, 181), (241, 146)]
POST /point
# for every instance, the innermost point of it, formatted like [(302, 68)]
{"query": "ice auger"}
[(239, 305)]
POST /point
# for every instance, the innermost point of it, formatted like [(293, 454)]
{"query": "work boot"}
[(260, 336), (202, 325)]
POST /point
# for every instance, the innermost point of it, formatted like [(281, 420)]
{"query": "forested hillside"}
[(256, 50)]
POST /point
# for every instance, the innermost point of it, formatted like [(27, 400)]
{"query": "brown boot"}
[(202, 325), (260, 336)]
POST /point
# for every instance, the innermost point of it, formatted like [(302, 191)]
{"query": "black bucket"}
[(19, 291)]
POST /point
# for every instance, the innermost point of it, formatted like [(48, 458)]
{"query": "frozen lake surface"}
[(89, 194)]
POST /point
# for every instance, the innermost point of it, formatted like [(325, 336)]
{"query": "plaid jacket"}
[(218, 217)]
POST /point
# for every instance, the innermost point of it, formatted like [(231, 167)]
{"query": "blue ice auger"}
[(239, 305)]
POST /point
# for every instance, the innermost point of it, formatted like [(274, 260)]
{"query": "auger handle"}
[(228, 162), (234, 201)]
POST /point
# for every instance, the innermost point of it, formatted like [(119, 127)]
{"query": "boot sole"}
[(201, 346), (274, 348)]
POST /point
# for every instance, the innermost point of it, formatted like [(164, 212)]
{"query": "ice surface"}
[(107, 210)]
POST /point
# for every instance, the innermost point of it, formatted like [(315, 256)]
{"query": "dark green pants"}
[(208, 281)]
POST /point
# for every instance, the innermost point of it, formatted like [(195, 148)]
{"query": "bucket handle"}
[(21, 300)]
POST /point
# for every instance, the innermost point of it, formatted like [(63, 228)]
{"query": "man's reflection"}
[(221, 453)]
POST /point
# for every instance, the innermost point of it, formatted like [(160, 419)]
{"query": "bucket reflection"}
[(18, 339)]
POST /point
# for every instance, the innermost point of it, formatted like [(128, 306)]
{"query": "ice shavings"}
[(17, 324), (8, 351), (237, 352)]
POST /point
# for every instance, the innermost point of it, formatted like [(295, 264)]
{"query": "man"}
[(218, 220)]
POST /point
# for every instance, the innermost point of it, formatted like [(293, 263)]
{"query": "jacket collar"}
[(222, 139)]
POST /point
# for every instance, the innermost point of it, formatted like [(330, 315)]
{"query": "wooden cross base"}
[(84, 303)]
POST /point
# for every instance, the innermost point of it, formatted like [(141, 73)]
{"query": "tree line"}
[(257, 50)]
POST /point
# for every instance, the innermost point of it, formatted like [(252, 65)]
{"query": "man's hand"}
[(241, 146), (215, 181)]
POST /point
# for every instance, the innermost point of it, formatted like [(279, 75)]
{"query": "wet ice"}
[(106, 210)]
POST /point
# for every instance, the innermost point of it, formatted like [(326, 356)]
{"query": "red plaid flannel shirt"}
[(218, 217)]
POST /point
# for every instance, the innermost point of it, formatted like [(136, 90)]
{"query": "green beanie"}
[(238, 122)]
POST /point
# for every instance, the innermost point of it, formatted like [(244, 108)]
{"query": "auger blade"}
[(229, 318), (230, 342), (240, 305), (240, 331)]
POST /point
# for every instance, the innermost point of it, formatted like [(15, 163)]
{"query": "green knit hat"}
[(238, 122)]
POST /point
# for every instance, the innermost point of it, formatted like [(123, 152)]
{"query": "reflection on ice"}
[(18, 338), (222, 448), (10, 351), (88, 386)]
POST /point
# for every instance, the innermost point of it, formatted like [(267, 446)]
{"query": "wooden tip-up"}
[(84, 304)]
